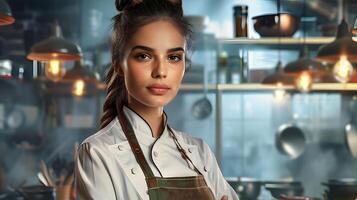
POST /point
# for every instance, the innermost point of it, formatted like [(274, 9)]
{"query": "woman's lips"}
[(158, 89)]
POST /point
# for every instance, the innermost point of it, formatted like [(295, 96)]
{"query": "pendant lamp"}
[(279, 77), (304, 63), (6, 17), (343, 45), (341, 52), (55, 48), (82, 80)]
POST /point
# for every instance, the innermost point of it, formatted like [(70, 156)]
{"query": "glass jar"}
[(241, 20)]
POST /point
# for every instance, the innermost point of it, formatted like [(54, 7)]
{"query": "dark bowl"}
[(268, 25), (246, 188), (37, 192), (277, 190)]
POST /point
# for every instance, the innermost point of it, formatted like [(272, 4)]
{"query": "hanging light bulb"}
[(279, 92), (343, 70), (78, 88), (54, 70), (303, 81)]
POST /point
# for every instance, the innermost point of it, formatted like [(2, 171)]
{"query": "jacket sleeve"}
[(92, 179), (220, 185)]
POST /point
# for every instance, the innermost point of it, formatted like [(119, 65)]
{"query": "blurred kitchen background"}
[(269, 114)]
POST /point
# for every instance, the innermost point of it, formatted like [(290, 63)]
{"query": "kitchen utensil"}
[(246, 188), (283, 197), (42, 179), (290, 140), (202, 108), (277, 190), (351, 129), (268, 25), (37, 192), (344, 189)]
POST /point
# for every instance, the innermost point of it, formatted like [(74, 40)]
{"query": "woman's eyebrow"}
[(152, 50)]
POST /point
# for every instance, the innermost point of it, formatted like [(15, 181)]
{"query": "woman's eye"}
[(175, 58), (142, 56)]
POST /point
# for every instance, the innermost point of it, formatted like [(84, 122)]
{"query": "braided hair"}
[(133, 14)]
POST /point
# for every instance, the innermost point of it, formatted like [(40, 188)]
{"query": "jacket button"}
[(120, 148), (156, 153), (204, 168), (133, 171), (190, 150)]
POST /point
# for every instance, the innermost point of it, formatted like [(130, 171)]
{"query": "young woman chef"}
[(136, 155)]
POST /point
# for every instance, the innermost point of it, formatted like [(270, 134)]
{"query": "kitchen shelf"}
[(275, 42), (318, 87)]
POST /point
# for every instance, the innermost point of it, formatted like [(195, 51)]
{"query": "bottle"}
[(222, 68), (241, 20), (234, 65)]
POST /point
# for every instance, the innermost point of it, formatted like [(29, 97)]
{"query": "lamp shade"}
[(305, 63), (279, 77), (55, 48), (6, 17), (342, 45), (80, 72)]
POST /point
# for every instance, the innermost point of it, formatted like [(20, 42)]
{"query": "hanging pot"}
[(351, 129), (290, 140)]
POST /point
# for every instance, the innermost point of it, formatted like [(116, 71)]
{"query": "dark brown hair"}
[(132, 15)]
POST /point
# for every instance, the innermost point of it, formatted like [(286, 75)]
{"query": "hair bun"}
[(124, 4), (177, 2)]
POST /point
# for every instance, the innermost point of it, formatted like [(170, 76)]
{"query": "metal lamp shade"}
[(304, 63), (6, 17), (55, 48), (279, 77), (80, 72), (343, 45)]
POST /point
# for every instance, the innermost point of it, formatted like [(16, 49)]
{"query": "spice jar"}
[(241, 20)]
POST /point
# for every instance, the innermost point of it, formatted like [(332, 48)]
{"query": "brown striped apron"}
[(172, 188)]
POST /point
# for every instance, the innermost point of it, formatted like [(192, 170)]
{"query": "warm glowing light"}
[(279, 92), (78, 87), (343, 70), (303, 81), (54, 71)]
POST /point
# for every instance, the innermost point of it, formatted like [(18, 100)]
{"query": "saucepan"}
[(276, 25), (246, 188), (290, 140), (284, 188), (345, 189)]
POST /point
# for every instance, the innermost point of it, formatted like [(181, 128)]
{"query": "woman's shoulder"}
[(108, 135)]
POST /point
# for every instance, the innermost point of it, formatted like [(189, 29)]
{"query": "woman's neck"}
[(152, 115)]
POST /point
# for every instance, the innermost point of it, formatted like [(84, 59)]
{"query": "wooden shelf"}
[(327, 87), (319, 87), (275, 42)]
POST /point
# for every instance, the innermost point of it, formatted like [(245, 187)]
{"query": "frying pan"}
[(290, 140), (351, 129)]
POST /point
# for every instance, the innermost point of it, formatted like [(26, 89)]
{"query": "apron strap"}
[(134, 145), (183, 151)]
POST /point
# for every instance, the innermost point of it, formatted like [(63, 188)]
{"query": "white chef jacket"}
[(106, 168)]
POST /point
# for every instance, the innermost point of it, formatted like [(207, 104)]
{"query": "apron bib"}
[(171, 188)]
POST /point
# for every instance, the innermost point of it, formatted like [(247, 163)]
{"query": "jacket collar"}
[(141, 126)]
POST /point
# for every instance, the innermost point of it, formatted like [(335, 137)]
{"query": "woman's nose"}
[(160, 69)]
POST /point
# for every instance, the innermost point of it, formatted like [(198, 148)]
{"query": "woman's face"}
[(154, 64)]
